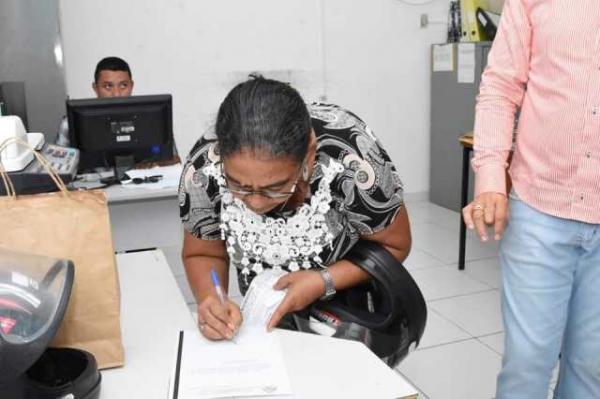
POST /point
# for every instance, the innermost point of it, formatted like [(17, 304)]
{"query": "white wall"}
[(368, 55)]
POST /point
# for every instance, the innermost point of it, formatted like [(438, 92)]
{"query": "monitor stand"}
[(123, 163)]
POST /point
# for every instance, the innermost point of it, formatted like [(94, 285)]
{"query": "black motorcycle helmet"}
[(388, 314), (34, 294), (63, 373)]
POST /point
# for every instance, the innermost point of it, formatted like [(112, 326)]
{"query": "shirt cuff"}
[(490, 178)]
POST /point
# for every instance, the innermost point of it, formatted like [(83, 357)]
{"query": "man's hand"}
[(216, 321), (487, 209), (303, 288)]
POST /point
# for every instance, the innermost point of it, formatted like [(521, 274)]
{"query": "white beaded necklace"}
[(280, 242)]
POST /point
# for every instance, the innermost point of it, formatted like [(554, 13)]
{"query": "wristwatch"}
[(329, 286)]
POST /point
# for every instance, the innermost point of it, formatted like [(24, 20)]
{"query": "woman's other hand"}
[(303, 288)]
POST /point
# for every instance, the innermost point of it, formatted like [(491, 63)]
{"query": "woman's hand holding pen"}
[(218, 320)]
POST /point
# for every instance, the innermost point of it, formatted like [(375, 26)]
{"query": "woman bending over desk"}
[(284, 185)]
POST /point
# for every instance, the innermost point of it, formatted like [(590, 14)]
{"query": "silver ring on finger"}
[(478, 207)]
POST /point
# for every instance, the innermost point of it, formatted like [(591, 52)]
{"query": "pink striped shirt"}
[(546, 59)]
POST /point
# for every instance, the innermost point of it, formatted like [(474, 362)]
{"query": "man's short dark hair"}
[(111, 64)]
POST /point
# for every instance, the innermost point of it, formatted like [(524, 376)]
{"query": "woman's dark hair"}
[(263, 115)]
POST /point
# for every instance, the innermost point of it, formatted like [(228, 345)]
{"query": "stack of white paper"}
[(251, 366), (170, 177)]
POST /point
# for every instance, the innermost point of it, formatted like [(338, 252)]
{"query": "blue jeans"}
[(550, 306)]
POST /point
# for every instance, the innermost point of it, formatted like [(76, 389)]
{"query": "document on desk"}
[(169, 177), (253, 366)]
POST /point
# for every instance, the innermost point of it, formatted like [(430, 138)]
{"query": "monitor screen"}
[(106, 128)]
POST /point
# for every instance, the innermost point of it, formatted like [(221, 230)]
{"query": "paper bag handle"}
[(8, 184)]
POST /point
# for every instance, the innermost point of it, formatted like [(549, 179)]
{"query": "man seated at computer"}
[(112, 78)]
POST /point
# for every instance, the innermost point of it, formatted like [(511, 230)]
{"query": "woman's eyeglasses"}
[(234, 189)]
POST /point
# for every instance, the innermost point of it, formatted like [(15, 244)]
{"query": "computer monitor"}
[(120, 131)]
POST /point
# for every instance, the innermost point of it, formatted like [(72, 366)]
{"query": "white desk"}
[(142, 218), (323, 367), (153, 312)]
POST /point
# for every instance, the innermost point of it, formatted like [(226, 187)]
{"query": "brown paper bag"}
[(72, 225)]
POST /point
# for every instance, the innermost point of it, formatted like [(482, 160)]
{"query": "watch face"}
[(330, 290), (329, 286)]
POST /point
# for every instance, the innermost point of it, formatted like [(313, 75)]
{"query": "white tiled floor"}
[(460, 352), (478, 314)]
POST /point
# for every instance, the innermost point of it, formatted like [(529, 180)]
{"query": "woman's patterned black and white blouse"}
[(355, 191)]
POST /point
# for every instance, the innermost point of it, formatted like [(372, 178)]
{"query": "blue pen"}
[(218, 289)]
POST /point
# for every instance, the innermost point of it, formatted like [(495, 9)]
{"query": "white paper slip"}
[(443, 57), (169, 177), (262, 299), (466, 63), (252, 367)]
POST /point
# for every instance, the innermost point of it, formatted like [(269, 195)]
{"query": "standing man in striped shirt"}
[(546, 60)]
